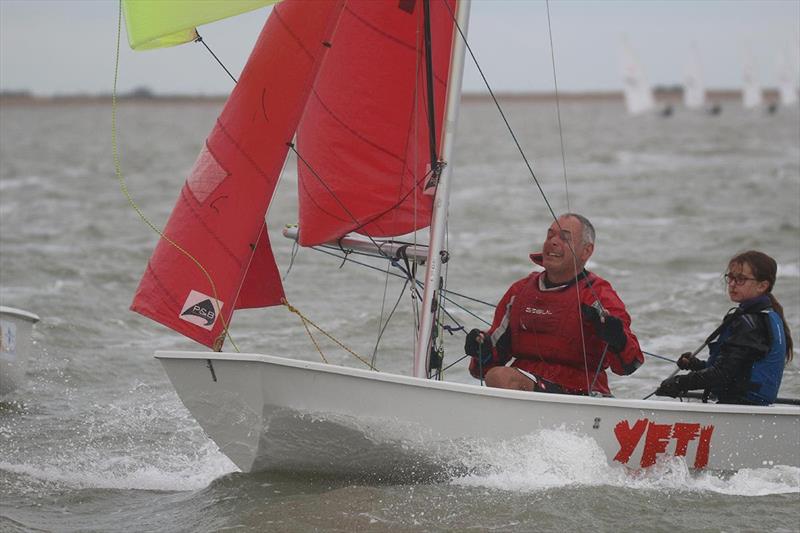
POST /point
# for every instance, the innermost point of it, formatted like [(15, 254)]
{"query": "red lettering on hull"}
[(655, 443), (703, 447), (683, 433), (628, 437), (657, 439)]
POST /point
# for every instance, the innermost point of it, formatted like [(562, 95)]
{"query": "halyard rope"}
[(589, 386)]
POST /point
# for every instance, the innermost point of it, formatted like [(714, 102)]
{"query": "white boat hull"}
[(15, 346), (272, 413)]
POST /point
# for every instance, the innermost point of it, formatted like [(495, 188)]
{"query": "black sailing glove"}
[(609, 328), (687, 361), (672, 387), (480, 351)]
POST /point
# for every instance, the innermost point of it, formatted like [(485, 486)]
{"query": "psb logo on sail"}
[(201, 310)]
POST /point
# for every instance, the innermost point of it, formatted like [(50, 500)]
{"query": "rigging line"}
[(124, 188), (200, 40), (442, 300), (388, 319), (599, 367), (383, 306), (660, 357), (419, 284), (580, 325), (348, 259), (305, 320), (292, 257), (454, 363), (313, 340), (558, 105)]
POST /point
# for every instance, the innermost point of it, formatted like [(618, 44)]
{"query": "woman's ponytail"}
[(779, 309)]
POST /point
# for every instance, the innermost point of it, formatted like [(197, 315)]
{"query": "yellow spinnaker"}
[(162, 23)]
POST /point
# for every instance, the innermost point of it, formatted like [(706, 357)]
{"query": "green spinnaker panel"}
[(157, 24)]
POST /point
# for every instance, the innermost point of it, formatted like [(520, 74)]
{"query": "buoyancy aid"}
[(547, 331), (762, 385), (765, 377)]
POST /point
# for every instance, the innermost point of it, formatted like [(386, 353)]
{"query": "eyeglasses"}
[(737, 280)]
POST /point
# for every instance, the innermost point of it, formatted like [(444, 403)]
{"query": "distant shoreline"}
[(11, 98)]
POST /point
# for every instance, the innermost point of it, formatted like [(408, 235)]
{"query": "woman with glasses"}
[(747, 352)]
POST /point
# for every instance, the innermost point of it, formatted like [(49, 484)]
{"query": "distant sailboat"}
[(694, 89), (788, 77), (638, 93), (751, 89)]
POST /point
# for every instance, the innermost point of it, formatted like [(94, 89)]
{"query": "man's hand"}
[(687, 361), (479, 346), (609, 328)]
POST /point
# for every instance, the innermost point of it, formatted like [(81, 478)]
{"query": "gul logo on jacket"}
[(537, 311), (201, 310)]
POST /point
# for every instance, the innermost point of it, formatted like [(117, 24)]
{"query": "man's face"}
[(558, 260)]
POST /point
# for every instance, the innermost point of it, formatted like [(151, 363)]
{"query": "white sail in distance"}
[(638, 94), (751, 88), (789, 74), (694, 89)]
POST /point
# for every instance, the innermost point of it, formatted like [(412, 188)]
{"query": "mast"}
[(442, 196)]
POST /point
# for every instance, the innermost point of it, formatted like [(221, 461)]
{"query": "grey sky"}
[(68, 46)]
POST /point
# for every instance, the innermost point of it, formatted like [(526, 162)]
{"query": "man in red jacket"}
[(557, 330)]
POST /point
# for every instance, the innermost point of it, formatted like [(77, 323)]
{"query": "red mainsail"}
[(218, 219), (363, 141)]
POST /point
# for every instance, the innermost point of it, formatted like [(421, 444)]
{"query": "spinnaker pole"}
[(432, 279)]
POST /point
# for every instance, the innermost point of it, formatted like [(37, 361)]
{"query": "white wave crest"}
[(551, 459), (127, 473)]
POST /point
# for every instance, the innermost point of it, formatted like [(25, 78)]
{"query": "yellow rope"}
[(307, 321), (124, 188), (313, 340)]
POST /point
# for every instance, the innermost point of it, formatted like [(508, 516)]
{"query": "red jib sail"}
[(363, 142), (218, 219)]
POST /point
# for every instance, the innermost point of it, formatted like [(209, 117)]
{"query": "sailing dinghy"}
[(638, 93), (15, 346), (366, 95), (694, 87), (752, 94)]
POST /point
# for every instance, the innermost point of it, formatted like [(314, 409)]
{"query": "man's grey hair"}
[(587, 233)]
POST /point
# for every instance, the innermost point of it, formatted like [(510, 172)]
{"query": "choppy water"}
[(96, 440)]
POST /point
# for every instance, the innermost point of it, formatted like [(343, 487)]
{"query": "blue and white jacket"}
[(746, 360)]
